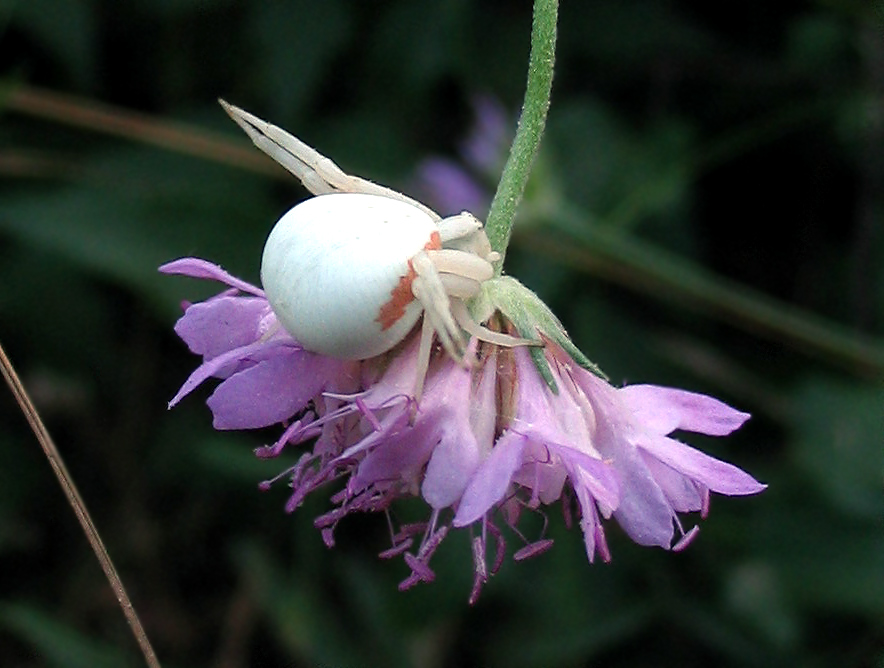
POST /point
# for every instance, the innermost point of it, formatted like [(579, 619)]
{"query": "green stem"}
[(541, 63)]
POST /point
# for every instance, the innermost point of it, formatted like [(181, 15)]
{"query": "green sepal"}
[(531, 318)]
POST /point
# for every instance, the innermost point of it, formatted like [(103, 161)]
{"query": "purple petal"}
[(271, 391), (197, 268), (398, 380), (441, 426), (684, 494), (214, 366), (399, 457), (543, 476), (395, 421), (597, 476), (218, 325), (662, 410), (483, 414), (453, 462), (593, 532), (491, 480), (467, 432), (547, 418), (643, 513), (717, 475)]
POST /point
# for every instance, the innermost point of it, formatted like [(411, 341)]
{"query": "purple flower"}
[(482, 445)]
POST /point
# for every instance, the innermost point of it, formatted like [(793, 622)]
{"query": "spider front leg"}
[(318, 173)]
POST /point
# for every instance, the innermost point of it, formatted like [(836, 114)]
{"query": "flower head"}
[(513, 420), (484, 443)]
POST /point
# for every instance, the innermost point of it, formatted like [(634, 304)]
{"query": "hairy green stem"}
[(541, 63)]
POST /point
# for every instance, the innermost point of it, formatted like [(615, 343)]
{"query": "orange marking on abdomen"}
[(401, 296)]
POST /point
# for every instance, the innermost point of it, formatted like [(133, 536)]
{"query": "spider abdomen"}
[(337, 272)]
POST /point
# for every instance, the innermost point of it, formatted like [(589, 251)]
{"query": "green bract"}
[(532, 319)]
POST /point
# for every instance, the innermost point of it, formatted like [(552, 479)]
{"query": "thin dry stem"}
[(76, 502)]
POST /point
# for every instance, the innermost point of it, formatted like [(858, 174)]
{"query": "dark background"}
[(706, 212)]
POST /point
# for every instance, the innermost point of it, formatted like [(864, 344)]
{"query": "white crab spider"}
[(348, 273)]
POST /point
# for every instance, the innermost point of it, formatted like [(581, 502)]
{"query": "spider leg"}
[(461, 263), (318, 174), (460, 286), (462, 315), (423, 358), (428, 289)]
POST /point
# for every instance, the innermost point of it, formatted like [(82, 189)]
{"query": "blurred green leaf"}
[(230, 455), (401, 30), (126, 216), (66, 29), (56, 643), (67, 330), (839, 442), (818, 43), (174, 8), (296, 41), (619, 174), (304, 617), (825, 560), (757, 594), (608, 32)]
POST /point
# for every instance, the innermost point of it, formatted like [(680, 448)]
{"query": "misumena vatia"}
[(348, 273)]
